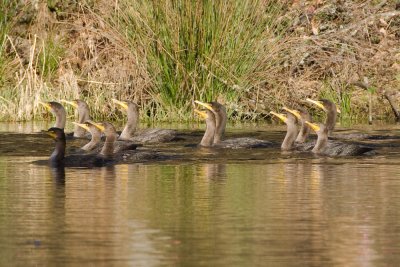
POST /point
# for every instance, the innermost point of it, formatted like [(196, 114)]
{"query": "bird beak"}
[(46, 105), (317, 103), (98, 125), (206, 105), (338, 110), (293, 111), (121, 103), (313, 126), (72, 103), (83, 125), (51, 134), (280, 116), (202, 114)]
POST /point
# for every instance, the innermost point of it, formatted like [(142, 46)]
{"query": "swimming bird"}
[(235, 143), (95, 133), (83, 116), (331, 112), (302, 116), (327, 147), (221, 118), (105, 157), (95, 141), (208, 137), (148, 136), (217, 124), (291, 132), (58, 111)]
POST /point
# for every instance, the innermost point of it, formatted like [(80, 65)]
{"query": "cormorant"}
[(148, 136), (95, 133), (83, 116), (217, 124), (292, 130), (58, 111), (331, 112), (95, 142), (302, 116), (335, 148), (235, 143), (103, 158)]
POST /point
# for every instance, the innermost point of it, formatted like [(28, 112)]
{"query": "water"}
[(240, 208)]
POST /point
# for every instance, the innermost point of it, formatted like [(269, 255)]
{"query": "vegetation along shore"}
[(251, 55)]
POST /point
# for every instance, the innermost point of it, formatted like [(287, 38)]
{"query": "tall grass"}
[(199, 49), (7, 13), (20, 100), (341, 97), (252, 55), (49, 57)]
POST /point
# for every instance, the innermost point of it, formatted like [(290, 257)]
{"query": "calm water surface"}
[(241, 208)]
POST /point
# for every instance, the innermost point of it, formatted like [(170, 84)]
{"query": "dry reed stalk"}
[(255, 55)]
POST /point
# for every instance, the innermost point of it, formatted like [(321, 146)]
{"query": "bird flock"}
[(107, 146)]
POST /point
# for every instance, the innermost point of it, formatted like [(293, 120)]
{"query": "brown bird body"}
[(148, 136), (323, 146), (83, 111), (235, 143)]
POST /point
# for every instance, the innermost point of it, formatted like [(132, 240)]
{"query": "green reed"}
[(237, 51), (198, 49), (50, 56), (341, 97), (7, 13)]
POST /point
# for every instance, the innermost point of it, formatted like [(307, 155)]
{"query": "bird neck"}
[(290, 137), (331, 120), (209, 134), (130, 126), (83, 115), (79, 131), (96, 137), (220, 121), (59, 151), (61, 119), (322, 142), (303, 133), (108, 147)]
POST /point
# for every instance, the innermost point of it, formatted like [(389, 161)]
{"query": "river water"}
[(256, 207)]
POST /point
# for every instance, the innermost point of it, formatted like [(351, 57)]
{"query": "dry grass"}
[(252, 55)]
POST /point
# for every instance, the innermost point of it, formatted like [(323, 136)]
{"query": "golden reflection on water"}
[(321, 211)]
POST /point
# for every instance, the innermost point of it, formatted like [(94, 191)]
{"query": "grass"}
[(7, 12), (248, 54), (342, 98), (202, 50), (49, 57), (20, 101)]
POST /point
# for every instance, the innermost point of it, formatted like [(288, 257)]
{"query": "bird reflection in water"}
[(214, 172), (58, 174), (108, 173)]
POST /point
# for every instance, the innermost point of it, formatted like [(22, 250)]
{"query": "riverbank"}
[(252, 55)]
